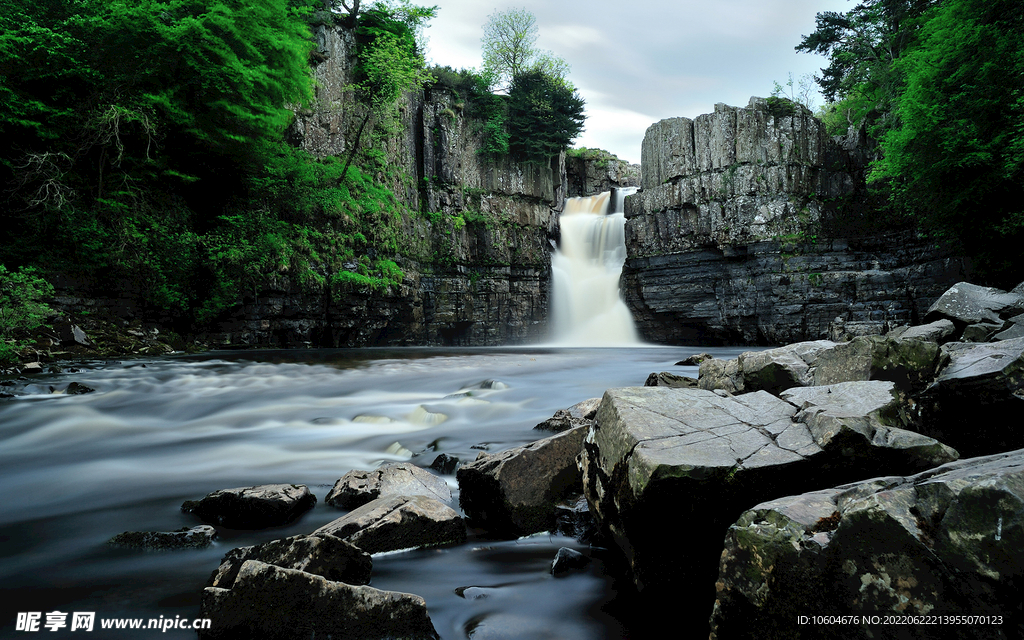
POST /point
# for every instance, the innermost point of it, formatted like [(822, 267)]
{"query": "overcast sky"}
[(638, 63)]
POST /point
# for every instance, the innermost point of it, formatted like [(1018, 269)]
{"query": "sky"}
[(638, 63)]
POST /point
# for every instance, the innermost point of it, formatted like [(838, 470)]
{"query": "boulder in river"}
[(259, 507), (668, 379), (398, 522), (323, 555), (970, 304), (356, 487), (578, 415), (274, 603), (666, 471), (198, 537), (946, 542), (515, 492)]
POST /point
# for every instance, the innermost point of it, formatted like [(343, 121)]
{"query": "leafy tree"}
[(509, 48), (861, 81), (545, 115), (956, 159)]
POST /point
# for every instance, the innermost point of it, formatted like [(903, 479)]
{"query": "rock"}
[(323, 555), (568, 561), (356, 488), (578, 415), (574, 520), (840, 330), (398, 522), (772, 370), (967, 304), (259, 507), (909, 362), (514, 492), (198, 537), (973, 400), (70, 334), (694, 360), (1015, 329), (666, 471), (77, 389), (271, 602), (980, 332), (946, 540), (32, 367), (939, 331), (445, 464), (666, 379)]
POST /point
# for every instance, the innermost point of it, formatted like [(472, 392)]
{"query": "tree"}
[(956, 158), (545, 114), (509, 48)]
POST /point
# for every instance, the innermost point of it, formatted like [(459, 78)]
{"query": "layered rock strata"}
[(725, 241)]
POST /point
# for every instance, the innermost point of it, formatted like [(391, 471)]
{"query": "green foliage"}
[(956, 160), (22, 308), (545, 115), (509, 48), (799, 91)]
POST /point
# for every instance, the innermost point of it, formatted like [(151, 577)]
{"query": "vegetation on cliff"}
[(939, 86)]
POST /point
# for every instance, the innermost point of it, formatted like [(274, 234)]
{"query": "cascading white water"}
[(586, 308)]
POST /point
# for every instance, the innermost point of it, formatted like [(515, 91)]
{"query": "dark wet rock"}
[(259, 507), (323, 555), (198, 537), (70, 334), (270, 602), (568, 561), (939, 331), (705, 459), (578, 415), (981, 332), (694, 360), (574, 520), (666, 379), (398, 522), (445, 464), (947, 540), (977, 399), (356, 488), (967, 304), (514, 492), (77, 389)]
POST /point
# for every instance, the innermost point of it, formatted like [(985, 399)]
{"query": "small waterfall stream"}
[(587, 309)]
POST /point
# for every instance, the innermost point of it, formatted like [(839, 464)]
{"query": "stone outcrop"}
[(580, 414), (516, 492), (357, 487), (267, 505), (696, 459), (398, 522), (944, 542), (322, 555), (727, 239), (589, 172), (265, 601)]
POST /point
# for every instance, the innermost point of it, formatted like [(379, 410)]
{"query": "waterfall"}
[(586, 308)]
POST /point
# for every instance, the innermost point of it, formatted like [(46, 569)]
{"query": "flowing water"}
[(586, 308), (78, 469)]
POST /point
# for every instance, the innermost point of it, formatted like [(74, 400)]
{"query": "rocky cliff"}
[(732, 239), (593, 171)]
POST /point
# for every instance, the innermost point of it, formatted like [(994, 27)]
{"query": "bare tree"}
[(509, 48)]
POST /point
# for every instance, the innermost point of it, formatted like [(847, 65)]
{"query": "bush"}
[(22, 308)]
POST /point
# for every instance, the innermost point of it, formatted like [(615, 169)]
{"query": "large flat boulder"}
[(515, 492), (398, 522), (666, 471), (946, 542), (274, 603), (358, 487), (968, 304), (259, 507)]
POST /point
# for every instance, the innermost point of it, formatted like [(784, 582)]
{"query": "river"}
[(76, 470)]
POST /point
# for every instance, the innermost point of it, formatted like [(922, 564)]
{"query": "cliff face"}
[(725, 240), (475, 245), (593, 171)]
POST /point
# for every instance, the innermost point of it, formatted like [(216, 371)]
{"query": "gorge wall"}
[(733, 237)]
